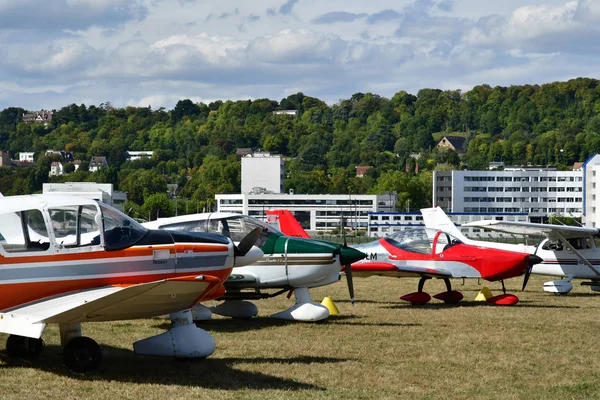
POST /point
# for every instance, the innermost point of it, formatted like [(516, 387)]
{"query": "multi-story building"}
[(591, 187), (316, 212), (385, 223), (540, 192), (103, 192), (262, 173)]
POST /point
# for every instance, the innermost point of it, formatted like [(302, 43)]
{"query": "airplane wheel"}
[(24, 347), (82, 354)]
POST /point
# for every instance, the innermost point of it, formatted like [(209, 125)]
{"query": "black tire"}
[(24, 347), (82, 354)]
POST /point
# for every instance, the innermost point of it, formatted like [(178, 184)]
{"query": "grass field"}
[(380, 349)]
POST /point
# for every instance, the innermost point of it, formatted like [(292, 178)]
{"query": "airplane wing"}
[(365, 269), (107, 303), (529, 228)]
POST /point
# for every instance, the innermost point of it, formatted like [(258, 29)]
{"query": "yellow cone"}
[(333, 310), (483, 294)]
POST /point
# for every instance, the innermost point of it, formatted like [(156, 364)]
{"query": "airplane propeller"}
[(348, 267), (247, 242), (533, 259)]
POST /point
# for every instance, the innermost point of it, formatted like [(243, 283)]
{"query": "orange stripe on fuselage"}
[(15, 294), (101, 254)]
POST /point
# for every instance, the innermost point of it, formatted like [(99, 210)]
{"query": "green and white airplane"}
[(290, 264)]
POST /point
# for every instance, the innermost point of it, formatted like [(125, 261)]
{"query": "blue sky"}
[(155, 52)]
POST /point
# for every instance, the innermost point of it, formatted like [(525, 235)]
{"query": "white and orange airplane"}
[(68, 260)]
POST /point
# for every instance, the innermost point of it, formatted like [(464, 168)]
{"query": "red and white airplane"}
[(68, 260), (428, 253)]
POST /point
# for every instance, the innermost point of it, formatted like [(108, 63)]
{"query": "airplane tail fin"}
[(286, 222), (436, 218)]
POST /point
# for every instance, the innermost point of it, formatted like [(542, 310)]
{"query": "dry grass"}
[(542, 348)]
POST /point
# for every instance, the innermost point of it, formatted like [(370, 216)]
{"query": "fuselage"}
[(81, 244), (287, 261), (437, 252), (558, 260)]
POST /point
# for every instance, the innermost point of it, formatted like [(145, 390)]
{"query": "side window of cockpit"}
[(191, 226), (24, 231), (552, 245), (75, 226)]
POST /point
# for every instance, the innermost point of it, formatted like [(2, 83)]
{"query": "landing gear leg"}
[(503, 287), (80, 353), (24, 347), (422, 283)]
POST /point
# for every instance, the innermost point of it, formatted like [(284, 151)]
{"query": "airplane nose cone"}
[(348, 255), (535, 259)]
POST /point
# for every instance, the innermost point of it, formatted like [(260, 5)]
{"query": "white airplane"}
[(68, 260), (568, 251), (289, 264)]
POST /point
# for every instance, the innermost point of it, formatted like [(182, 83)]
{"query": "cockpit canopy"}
[(68, 226), (234, 227), (422, 240)]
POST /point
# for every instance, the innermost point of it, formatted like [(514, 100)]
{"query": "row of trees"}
[(194, 144)]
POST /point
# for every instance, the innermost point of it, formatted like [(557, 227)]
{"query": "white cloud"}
[(158, 51)]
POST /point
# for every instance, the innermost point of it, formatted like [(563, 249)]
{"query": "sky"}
[(157, 52)]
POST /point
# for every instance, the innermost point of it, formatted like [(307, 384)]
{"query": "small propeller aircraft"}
[(290, 264), (68, 260), (429, 253), (568, 251)]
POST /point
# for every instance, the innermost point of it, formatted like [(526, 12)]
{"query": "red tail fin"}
[(287, 223)]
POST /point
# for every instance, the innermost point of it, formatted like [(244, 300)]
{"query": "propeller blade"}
[(348, 269), (247, 242)]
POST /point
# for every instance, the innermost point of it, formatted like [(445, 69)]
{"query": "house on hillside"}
[(291, 113), (361, 170), (26, 156), (56, 169), (243, 151), (456, 143), (4, 159), (136, 155), (77, 164), (41, 117), (97, 163)]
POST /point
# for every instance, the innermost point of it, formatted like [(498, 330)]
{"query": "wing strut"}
[(578, 254)]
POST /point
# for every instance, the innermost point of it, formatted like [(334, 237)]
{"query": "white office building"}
[(103, 192), (591, 186), (540, 192), (385, 223), (316, 212), (262, 173)]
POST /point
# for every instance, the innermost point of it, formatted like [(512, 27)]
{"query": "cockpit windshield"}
[(235, 227), (120, 231), (414, 240), (419, 240)]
